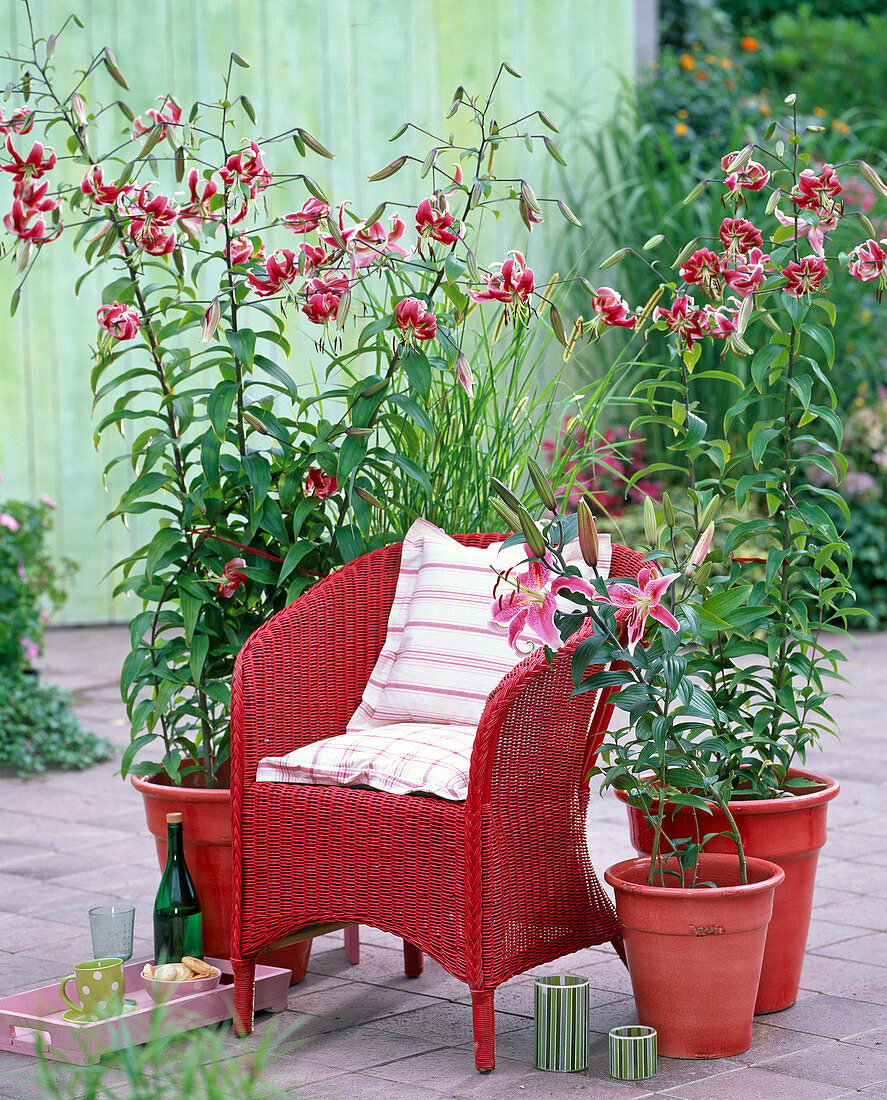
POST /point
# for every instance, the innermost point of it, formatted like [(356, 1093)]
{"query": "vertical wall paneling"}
[(350, 71)]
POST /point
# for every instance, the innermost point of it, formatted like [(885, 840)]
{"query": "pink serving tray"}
[(35, 1016)]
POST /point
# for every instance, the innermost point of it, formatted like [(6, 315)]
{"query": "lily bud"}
[(700, 551), (872, 177), (211, 320), (342, 309), (504, 493), (668, 510), (257, 424), (542, 485), (25, 253), (651, 527), (588, 542), (701, 575), (389, 170), (368, 497), (532, 533), (78, 109), (464, 374), (709, 513), (505, 513)]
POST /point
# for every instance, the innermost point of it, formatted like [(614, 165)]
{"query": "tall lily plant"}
[(258, 483)]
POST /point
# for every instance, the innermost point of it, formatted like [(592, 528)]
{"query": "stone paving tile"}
[(445, 1022), (870, 948), (831, 1017), (447, 1071), (770, 1041), (850, 875), (836, 1063), (826, 895), (822, 933), (352, 1003), (870, 989), (359, 1048), (670, 1072), (540, 1085), (823, 974), (356, 1086), (756, 1084), (866, 911), (24, 971)]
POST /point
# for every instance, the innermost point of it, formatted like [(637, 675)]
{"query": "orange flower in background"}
[(701, 76), (819, 112), (766, 109), (841, 127), (688, 62), (749, 44), (725, 63), (681, 128), (683, 113), (729, 83), (710, 59)]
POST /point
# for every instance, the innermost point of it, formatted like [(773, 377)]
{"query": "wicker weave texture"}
[(488, 887)]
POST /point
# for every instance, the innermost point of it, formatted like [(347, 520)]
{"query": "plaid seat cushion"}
[(406, 758)]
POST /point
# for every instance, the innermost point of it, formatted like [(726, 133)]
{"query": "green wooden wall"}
[(351, 71)]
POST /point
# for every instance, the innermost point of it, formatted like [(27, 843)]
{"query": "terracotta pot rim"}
[(771, 876), (790, 804), (152, 786)]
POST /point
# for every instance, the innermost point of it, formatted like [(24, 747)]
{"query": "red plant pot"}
[(206, 828), (787, 831), (694, 955)]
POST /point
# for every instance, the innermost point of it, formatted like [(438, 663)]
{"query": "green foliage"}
[(197, 1066), (748, 14), (259, 485), (829, 60), (31, 584), (38, 730)]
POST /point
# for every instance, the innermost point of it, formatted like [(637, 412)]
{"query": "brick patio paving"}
[(75, 839)]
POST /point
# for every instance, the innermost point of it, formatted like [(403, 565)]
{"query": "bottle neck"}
[(174, 844)]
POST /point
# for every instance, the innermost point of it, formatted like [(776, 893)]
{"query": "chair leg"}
[(244, 995), (352, 943), (413, 960), (484, 1029), (619, 947)]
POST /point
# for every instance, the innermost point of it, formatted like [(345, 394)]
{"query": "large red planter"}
[(787, 831), (694, 955), (206, 827)]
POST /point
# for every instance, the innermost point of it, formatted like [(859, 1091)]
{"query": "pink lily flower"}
[(31, 167), (168, 114), (9, 522), (192, 216), (46, 499), (817, 193), (122, 322), (26, 223), (414, 321), (704, 268), (319, 484), (701, 548), (434, 221), (102, 194), (513, 284), (867, 261), (815, 234), (30, 649), (21, 121), (464, 374), (375, 242), (528, 608), (745, 275), (804, 277), (281, 268), (233, 578), (308, 217), (752, 176), (636, 603), (242, 251), (685, 319), (739, 235), (612, 308), (323, 296)]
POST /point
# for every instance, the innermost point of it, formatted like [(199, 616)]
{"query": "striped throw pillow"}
[(408, 758)]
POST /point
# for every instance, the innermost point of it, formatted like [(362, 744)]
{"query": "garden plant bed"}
[(35, 1017)]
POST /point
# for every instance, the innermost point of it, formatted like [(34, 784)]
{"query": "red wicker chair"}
[(489, 887)]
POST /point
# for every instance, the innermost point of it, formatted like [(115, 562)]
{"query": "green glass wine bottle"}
[(178, 927)]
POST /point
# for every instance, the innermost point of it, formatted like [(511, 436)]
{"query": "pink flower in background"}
[(752, 176), (613, 308), (704, 268), (804, 277), (313, 257), (721, 321), (9, 522), (281, 268), (514, 282), (867, 261), (168, 114), (30, 649), (815, 234), (233, 577), (31, 167), (122, 322), (375, 242), (243, 250), (20, 122), (192, 216), (246, 170), (636, 603), (414, 321), (46, 499), (152, 221), (101, 193), (746, 273), (684, 318), (319, 484), (308, 217), (323, 297), (434, 222), (739, 235), (817, 193)]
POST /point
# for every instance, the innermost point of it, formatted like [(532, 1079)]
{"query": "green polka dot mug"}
[(99, 986)]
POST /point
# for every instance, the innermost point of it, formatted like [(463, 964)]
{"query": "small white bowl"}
[(166, 991)]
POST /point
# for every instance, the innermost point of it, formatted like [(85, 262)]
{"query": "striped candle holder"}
[(632, 1052), (561, 1012)]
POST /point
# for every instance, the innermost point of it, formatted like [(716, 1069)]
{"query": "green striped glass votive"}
[(632, 1052), (561, 1012)]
